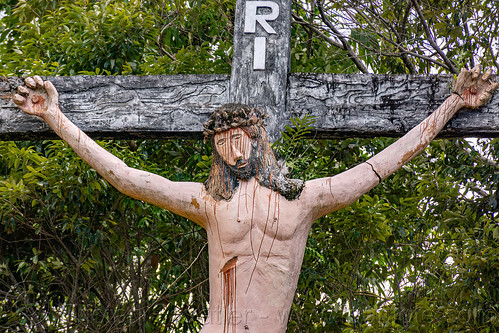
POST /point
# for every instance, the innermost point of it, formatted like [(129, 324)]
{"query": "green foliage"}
[(81, 36), (389, 36), (295, 149), (115, 37), (416, 254), (419, 253), (70, 243)]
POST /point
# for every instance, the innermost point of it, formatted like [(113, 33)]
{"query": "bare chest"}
[(255, 219)]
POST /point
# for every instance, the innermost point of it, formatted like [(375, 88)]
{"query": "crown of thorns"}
[(231, 116)]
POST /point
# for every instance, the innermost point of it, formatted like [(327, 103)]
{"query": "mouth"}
[(242, 165)]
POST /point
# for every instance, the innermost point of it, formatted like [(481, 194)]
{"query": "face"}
[(234, 147)]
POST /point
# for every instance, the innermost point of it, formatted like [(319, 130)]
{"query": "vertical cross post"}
[(261, 57)]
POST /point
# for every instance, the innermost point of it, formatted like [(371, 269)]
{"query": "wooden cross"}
[(165, 106)]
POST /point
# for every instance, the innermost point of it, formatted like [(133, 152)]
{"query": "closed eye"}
[(236, 136), (221, 142)]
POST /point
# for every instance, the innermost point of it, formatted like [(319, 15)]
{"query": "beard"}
[(224, 178), (244, 172)]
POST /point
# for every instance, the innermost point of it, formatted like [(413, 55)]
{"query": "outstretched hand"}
[(37, 97), (475, 89)]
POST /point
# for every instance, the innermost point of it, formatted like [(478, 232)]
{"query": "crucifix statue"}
[(257, 220)]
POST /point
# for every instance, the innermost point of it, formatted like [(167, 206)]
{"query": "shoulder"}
[(326, 195), (329, 194), (318, 193)]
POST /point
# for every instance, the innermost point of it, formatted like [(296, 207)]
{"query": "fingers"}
[(18, 99), (34, 82), (493, 87), (487, 74), (486, 96), (30, 83), (476, 89), (39, 82), (23, 91), (461, 80), (476, 71), (51, 91), (37, 97)]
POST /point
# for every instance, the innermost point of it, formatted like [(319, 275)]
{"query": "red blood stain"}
[(229, 287)]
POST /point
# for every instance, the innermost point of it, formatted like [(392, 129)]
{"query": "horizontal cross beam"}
[(175, 106)]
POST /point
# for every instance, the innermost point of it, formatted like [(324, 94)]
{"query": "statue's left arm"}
[(471, 90)]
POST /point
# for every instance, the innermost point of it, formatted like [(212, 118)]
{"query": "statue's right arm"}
[(41, 99)]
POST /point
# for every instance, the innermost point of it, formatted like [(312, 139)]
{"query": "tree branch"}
[(399, 46), (399, 34), (447, 61), (352, 55), (474, 154), (494, 59), (403, 51), (160, 36), (329, 40)]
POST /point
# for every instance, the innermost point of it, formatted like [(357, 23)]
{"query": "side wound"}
[(229, 286)]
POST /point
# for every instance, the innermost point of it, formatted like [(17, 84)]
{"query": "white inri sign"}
[(251, 18)]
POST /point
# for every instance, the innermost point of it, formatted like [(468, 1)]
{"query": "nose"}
[(236, 154)]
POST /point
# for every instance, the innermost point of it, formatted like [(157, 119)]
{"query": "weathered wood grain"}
[(122, 106), (382, 105), (176, 106)]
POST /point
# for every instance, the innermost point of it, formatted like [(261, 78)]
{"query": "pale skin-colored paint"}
[(233, 145), (266, 232)]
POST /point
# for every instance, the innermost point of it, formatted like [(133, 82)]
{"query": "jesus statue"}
[(257, 220)]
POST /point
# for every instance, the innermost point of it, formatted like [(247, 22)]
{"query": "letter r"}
[(252, 16)]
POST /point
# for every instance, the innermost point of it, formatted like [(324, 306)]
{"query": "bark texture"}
[(176, 106)]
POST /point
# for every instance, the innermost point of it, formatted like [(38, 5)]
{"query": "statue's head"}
[(241, 150)]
